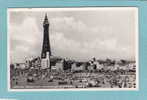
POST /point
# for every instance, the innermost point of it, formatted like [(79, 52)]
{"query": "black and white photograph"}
[(85, 48)]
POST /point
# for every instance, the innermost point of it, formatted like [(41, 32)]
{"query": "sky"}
[(75, 33)]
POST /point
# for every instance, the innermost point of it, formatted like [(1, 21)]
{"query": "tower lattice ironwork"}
[(46, 41)]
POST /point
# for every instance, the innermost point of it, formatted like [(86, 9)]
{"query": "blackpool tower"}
[(46, 50)]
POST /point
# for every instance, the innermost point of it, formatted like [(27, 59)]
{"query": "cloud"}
[(83, 41), (86, 50), (24, 39), (77, 30)]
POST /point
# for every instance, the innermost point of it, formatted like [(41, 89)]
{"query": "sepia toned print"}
[(73, 48)]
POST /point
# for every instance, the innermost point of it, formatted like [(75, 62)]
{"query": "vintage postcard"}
[(85, 48)]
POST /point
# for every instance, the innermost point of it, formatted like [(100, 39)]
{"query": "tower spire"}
[(46, 16), (45, 20)]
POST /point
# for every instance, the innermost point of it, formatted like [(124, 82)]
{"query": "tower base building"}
[(45, 62)]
